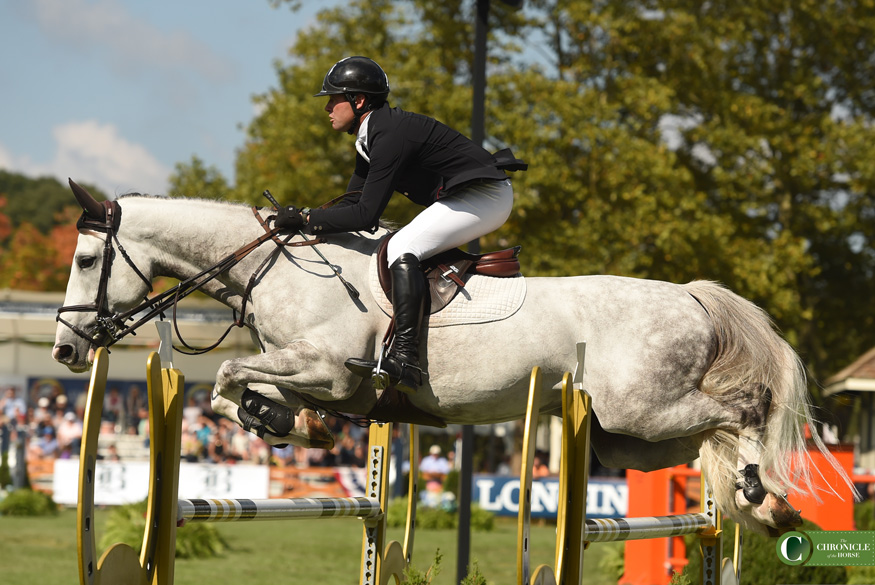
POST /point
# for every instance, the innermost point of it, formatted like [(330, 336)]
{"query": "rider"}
[(463, 187)]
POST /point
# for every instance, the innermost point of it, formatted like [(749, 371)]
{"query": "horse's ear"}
[(94, 209)]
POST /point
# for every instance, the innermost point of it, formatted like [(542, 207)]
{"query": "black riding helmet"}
[(355, 75)]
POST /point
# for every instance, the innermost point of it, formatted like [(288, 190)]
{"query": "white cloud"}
[(129, 43), (95, 153)]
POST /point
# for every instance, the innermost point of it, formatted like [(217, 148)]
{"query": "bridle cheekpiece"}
[(110, 327)]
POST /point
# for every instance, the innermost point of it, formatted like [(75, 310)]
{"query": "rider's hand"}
[(289, 218)]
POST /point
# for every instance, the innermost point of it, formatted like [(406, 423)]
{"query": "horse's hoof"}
[(773, 516), (782, 513), (317, 433)]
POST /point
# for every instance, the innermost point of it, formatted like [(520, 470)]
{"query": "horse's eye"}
[(86, 262)]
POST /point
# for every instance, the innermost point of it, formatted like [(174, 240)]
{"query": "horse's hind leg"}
[(627, 452), (754, 506), (733, 427), (660, 413)]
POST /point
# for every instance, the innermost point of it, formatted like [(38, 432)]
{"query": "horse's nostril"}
[(62, 352)]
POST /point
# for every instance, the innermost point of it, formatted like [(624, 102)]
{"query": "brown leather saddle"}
[(446, 272)]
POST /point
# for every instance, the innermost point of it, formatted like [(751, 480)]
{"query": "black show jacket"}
[(414, 155)]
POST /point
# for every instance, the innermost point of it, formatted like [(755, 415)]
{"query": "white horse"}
[(675, 371)]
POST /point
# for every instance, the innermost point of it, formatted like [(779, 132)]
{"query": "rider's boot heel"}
[(361, 367)]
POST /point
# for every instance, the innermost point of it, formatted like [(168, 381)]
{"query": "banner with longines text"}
[(606, 498)]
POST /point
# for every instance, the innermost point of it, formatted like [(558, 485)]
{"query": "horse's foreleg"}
[(257, 392), (306, 426)]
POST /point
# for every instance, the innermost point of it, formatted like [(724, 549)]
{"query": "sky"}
[(116, 92)]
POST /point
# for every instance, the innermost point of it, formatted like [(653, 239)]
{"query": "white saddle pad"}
[(481, 300)]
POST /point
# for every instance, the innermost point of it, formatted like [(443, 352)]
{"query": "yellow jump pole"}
[(374, 539), (573, 481), (120, 563), (525, 493), (711, 541), (576, 422), (166, 394)]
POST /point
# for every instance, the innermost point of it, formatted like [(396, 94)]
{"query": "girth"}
[(444, 272)]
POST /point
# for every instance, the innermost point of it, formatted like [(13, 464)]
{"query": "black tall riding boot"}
[(408, 303)]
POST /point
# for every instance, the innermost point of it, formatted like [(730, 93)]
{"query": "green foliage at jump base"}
[(864, 519), (28, 502), (126, 524), (414, 576), (437, 518)]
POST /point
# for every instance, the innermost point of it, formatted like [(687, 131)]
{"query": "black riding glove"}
[(289, 218)]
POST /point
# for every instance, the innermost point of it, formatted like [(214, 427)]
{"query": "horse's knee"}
[(752, 405), (221, 405), (226, 376), (226, 393)]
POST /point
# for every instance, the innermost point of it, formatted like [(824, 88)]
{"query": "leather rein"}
[(111, 327)]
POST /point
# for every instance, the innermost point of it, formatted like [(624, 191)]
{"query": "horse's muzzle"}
[(67, 354)]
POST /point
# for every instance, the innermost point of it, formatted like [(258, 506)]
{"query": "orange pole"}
[(677, 549), (646, 559)]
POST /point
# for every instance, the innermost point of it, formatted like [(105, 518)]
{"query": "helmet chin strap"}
[(357, 112)]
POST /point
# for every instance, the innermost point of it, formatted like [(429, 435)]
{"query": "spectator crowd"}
[(53, 426)]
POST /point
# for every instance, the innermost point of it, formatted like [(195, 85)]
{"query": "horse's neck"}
[(184, 237)]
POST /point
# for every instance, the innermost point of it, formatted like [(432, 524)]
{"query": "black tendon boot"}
[(408, 304)]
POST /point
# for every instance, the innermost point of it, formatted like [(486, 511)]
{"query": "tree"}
[(672, 140), (36, 200), (31, 262), (197, 180), (37, 232), (63, 237), (5, 222)]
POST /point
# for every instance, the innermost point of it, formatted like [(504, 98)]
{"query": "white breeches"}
[(452, 222)]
